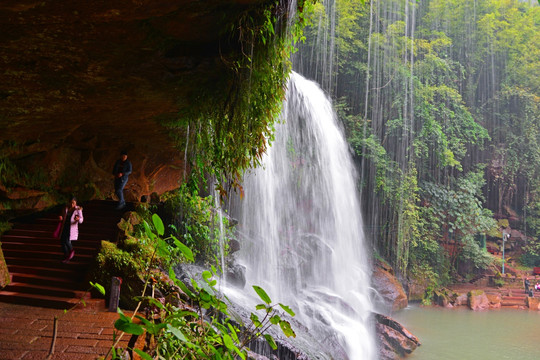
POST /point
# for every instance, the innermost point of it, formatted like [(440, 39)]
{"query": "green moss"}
[(4, 274), (114, 262), (474, 293)]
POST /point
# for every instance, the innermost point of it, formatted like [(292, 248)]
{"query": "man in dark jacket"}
[(122, 169), (527, 283)]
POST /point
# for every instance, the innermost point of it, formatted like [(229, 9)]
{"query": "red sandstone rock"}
[(494, 300), (395, 341), (533, 303), (478, 300), (389, 287)]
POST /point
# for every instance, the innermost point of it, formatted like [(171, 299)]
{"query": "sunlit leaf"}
[(262, 294), (188, 254), (287, 309), (126, 325), (270, 341), (176, 332), (158, 224), (98, 287), (227, 341), (275, 319), (286, 328), (255, 320)]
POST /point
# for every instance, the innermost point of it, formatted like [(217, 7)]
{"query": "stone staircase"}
[(34, 257), (513, 297)]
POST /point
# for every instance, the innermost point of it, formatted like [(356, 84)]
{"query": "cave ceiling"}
[(95, 75)]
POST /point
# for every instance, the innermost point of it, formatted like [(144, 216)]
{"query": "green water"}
[(463, 334)]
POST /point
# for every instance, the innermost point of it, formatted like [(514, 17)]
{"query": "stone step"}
[(26, 256), (83, 240), (38, 300), (44, 289), (51, 281), (18, 249), (79, 262), (64, 273), (44, 233), (34, 257)]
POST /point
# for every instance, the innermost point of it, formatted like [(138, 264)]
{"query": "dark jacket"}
[(123, 167)]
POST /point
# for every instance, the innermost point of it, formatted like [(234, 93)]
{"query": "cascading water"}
[(301, 224)]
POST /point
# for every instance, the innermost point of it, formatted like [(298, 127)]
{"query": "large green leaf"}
[(126, 325), (270, 341), (98, 287), (158, 224), (148, 231), (176, 332), (286, 328), (228, 342), (188, 254), (262, 294), (287, 309)]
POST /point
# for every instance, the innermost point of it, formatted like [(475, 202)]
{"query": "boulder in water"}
[(236, 275), (461, 299), (389, 287), (477, 300), (533, 303), (495, 301), (395, 341), (234, 246)]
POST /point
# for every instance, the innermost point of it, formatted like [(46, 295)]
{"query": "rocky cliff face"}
[(81, 80)]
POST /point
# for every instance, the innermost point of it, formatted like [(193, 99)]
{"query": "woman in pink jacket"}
[(72, 216)]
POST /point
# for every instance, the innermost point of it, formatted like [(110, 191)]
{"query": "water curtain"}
[(301, 224)]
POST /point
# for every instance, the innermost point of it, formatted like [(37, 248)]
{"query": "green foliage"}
[(113, 261), (4, 226), (499, 282), (14, 174), (195, 221), (425, 273), (531, 257), (428, 106), (456, 215), (230, 124), (204, 330)]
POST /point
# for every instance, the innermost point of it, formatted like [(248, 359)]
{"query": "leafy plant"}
[(195, 220), (202, 330)]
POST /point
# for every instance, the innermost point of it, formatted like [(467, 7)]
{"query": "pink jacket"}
[(74, 227)]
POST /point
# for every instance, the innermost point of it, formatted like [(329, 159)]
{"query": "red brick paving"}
[(83, 334)]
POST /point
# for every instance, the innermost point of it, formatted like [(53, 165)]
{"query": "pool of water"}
[(461, 333)]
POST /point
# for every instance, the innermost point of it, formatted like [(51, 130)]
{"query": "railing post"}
[(114, 298)]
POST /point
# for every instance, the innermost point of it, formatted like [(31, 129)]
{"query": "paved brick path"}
[(26, 332)]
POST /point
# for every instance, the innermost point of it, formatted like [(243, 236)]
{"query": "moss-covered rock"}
[(4, 274), (114, 262)]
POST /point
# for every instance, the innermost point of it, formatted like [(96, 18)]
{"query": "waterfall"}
[(301, 226)]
